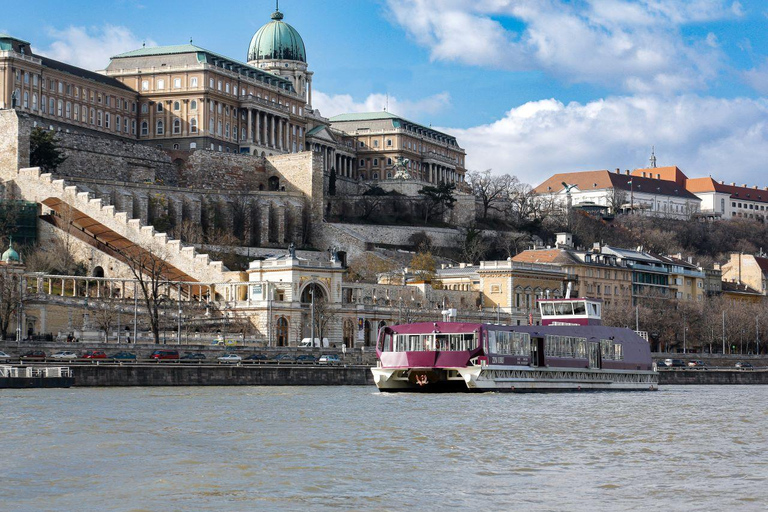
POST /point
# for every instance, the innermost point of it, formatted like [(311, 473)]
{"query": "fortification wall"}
[(208, 170), (91, 156)]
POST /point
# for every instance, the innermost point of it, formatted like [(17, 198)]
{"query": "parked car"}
[(256, 357), (64, 354), (193, 356), (94, 354), (229, 358), (329, 359), (744, 365), (124, 356), (4, 357), (305, 359), (696, 363), (164, 354), (284, 358), (675, 363), (33, 354)]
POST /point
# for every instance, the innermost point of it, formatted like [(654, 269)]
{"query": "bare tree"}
[(152, 272), (325, 316), (492, 191), (104, 315), (10, 297)]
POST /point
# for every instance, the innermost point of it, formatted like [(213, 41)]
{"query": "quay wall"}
[(219, 375), (712, 377)]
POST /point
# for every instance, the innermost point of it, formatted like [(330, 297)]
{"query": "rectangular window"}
[(177, 83)]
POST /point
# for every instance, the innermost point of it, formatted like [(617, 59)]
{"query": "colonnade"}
[(274, 131), (345, 165), (436, 173)]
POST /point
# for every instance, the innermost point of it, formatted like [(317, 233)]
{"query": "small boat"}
[(570, 351), (18, 377)]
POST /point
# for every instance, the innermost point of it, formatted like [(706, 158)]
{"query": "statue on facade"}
[(401, 169), (292, 250)]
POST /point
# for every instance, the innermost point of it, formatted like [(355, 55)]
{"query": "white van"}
[(307, 343)]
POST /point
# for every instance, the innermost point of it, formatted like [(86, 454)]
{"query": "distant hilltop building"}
[(185, 97), (656, 191)]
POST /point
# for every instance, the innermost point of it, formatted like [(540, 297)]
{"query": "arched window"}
[(51, 106), (226, 131), (144, 128), (43, 104), (144, 108), (34, 101), (177, 126), (26, 97), (117, 123), (159, 106), (176, 106), (193, 105), (60, 108), (160, 130), (84, 114), (193, 125)]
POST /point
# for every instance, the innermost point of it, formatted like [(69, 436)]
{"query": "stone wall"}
[(207, 170), (14, 143), (91, 156)]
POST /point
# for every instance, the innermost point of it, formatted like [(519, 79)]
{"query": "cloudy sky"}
[(530, 87)]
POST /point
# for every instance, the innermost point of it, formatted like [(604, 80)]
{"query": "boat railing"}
[(31, 372)]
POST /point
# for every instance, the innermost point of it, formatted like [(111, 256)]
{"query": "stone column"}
[(272, 134), (250, 127), (281, 234), (280, 139), (143, 212), (258, 127), (264, 225)]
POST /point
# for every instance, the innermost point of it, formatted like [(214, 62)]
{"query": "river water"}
[(353, 448)]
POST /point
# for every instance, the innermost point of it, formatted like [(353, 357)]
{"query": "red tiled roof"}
[(744, 193), (600, 180)]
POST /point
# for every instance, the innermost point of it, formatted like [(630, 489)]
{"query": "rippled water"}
[(352, 448)]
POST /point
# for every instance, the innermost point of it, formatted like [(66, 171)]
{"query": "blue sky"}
[(530, 87)]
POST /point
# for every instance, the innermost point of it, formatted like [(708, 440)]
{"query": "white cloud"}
[(92, 47), (727, 138), (757, 77), (637, 46), (330, 106)]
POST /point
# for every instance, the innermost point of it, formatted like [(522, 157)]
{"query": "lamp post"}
[(723, 332), (631, 196)]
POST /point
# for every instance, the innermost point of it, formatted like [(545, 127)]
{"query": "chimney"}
[(733, 184), (596, 247), (626, 172), (756, 187), (716, 266), (722, 182), (618, 171), (744, 185)]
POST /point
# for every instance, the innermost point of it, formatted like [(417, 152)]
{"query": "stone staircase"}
[(33, 185)]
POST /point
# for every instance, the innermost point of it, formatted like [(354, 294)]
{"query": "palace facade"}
[(188, 98)]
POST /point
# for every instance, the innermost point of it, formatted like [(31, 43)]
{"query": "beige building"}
[(746, 269), (187, 98)]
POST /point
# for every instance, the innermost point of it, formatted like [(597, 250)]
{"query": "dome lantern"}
[(277, 40)]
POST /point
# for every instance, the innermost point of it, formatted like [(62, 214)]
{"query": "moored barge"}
[(570, 351), (18, 377)]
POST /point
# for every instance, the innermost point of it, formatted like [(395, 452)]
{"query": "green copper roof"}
[(277, 40), (8, 36), (397, 121), (10, 255), (161, 50), (209, 57)]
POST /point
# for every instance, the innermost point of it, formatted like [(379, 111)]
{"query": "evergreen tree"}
[(43, 151)]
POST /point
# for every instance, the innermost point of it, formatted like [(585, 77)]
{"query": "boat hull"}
[(512, 379), (35, 382)]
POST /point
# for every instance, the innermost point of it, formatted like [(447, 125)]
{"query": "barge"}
[(570, 351), (18, 377)]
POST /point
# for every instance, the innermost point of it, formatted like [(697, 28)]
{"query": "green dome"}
[(11, 256), (277, 40)]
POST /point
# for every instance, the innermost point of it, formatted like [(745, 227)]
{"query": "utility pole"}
[(135, 314), (723, 332)]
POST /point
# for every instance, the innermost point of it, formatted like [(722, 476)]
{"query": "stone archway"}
[(282, 332), (97, 272), (319, 291)]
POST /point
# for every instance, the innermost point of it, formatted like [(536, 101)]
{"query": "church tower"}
[(278, 48)]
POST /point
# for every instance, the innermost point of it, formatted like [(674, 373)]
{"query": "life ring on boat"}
[(422, 379)]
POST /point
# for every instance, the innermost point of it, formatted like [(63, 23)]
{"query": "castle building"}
[(185, 97)]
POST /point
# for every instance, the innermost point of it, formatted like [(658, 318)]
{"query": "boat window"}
[(609, 350), (430, 342), (492, 342), (564, 308), (513, 343), (547, 309), (579, 308), (593, 311), (565, 346)]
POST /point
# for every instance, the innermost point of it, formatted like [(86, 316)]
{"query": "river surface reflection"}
[(353, 448)]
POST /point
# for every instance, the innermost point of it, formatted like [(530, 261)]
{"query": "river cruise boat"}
[(17, 377), (570, 351)]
